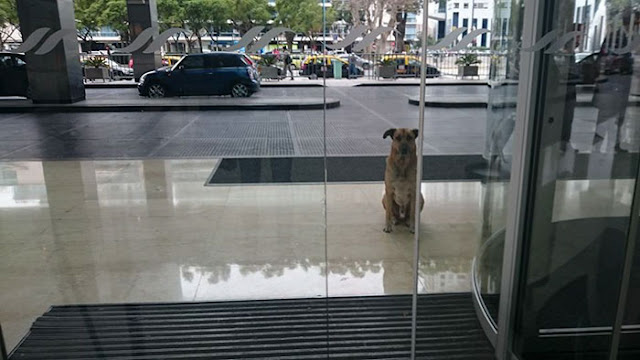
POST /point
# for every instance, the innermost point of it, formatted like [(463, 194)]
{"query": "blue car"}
[(219, 73)]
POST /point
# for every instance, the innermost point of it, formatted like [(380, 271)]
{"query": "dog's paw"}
[(388, 229)]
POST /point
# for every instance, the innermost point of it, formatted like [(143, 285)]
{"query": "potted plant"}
[(387, 68), (467, 65), (96, 68), (267, 67)]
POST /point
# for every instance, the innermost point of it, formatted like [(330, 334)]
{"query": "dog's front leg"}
[(412, 218), (388, 201)]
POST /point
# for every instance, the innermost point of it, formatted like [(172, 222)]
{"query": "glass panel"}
[(464, 187), (629, 340), (501, 117), (585, 162), (191, 198)]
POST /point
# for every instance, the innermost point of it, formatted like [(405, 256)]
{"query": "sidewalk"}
[(21, 105), (306, 82)]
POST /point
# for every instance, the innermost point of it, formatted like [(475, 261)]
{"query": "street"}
[(353, 129)]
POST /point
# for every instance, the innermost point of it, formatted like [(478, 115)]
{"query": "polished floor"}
[(146, 231)]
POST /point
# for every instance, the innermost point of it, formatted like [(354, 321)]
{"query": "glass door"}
[(573, 184)]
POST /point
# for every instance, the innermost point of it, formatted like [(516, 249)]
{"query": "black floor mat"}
[(377, 327), (339, 169)]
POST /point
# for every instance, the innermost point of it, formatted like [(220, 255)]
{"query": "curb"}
[(484, 83), (194, 106)]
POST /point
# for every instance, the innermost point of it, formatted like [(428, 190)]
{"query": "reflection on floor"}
[(148, 231)]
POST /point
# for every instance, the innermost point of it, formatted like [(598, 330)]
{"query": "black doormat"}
[(339, 169), (377, 327), (435, 168)]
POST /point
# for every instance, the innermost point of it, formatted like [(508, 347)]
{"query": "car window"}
[(213, 61), (193, 62), (232, 61), (20, 62), (6, 61)]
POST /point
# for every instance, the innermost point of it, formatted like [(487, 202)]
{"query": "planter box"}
[(387, 71), (93, 73), (269, 72), (467, 71)]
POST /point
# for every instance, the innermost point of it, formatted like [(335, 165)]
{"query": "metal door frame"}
[(522, 178)]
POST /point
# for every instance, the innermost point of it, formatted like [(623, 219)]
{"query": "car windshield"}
[(175, 66)]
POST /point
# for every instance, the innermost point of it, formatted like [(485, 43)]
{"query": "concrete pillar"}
[(143, 14), (55, 76)]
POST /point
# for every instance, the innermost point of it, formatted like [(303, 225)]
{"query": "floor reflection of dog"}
[(400, 179)]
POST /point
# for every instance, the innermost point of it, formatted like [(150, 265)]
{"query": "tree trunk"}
[(200, 41), (401, 29), (290, 36)]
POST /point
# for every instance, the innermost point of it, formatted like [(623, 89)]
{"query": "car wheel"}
[(156, 91), (240, 90)]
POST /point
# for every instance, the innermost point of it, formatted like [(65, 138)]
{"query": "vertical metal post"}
[(521, 181), (416, 213), (630, 246)]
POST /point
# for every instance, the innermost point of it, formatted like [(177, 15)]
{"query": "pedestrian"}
[(287, 62), (611, 97), (352, 65)]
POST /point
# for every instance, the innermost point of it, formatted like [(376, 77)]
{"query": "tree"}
[(245, 14), (372, 13), (88, 14), (170, 16), (9, 22), (302, 16), (115, 15), (404, 8), (199, 15)]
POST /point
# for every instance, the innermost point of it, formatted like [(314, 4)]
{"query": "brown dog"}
[(400, 179)]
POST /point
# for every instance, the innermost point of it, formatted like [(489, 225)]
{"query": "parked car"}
[(360, 61), (312, 65), (219, 73), (409, 65), (13, 75), (119, 70)]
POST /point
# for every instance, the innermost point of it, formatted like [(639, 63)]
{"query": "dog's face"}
[(404, 141)]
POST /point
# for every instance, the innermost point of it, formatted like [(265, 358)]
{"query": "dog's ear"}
[(415, 132), (389, 132)]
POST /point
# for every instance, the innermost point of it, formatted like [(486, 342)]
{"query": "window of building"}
[(466, 6), (456, 5), (456, 18)]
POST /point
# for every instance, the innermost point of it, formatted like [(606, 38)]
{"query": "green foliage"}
[(468, 60), (268, 60), (170, 13), (245, 14), (114, 14), (8, 15), (8, 12), (303, 16), (199, 15), (388, 62), (95, 62), (88, 14)]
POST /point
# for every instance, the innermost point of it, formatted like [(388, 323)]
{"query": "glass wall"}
[(498, 153), (582, 180)]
